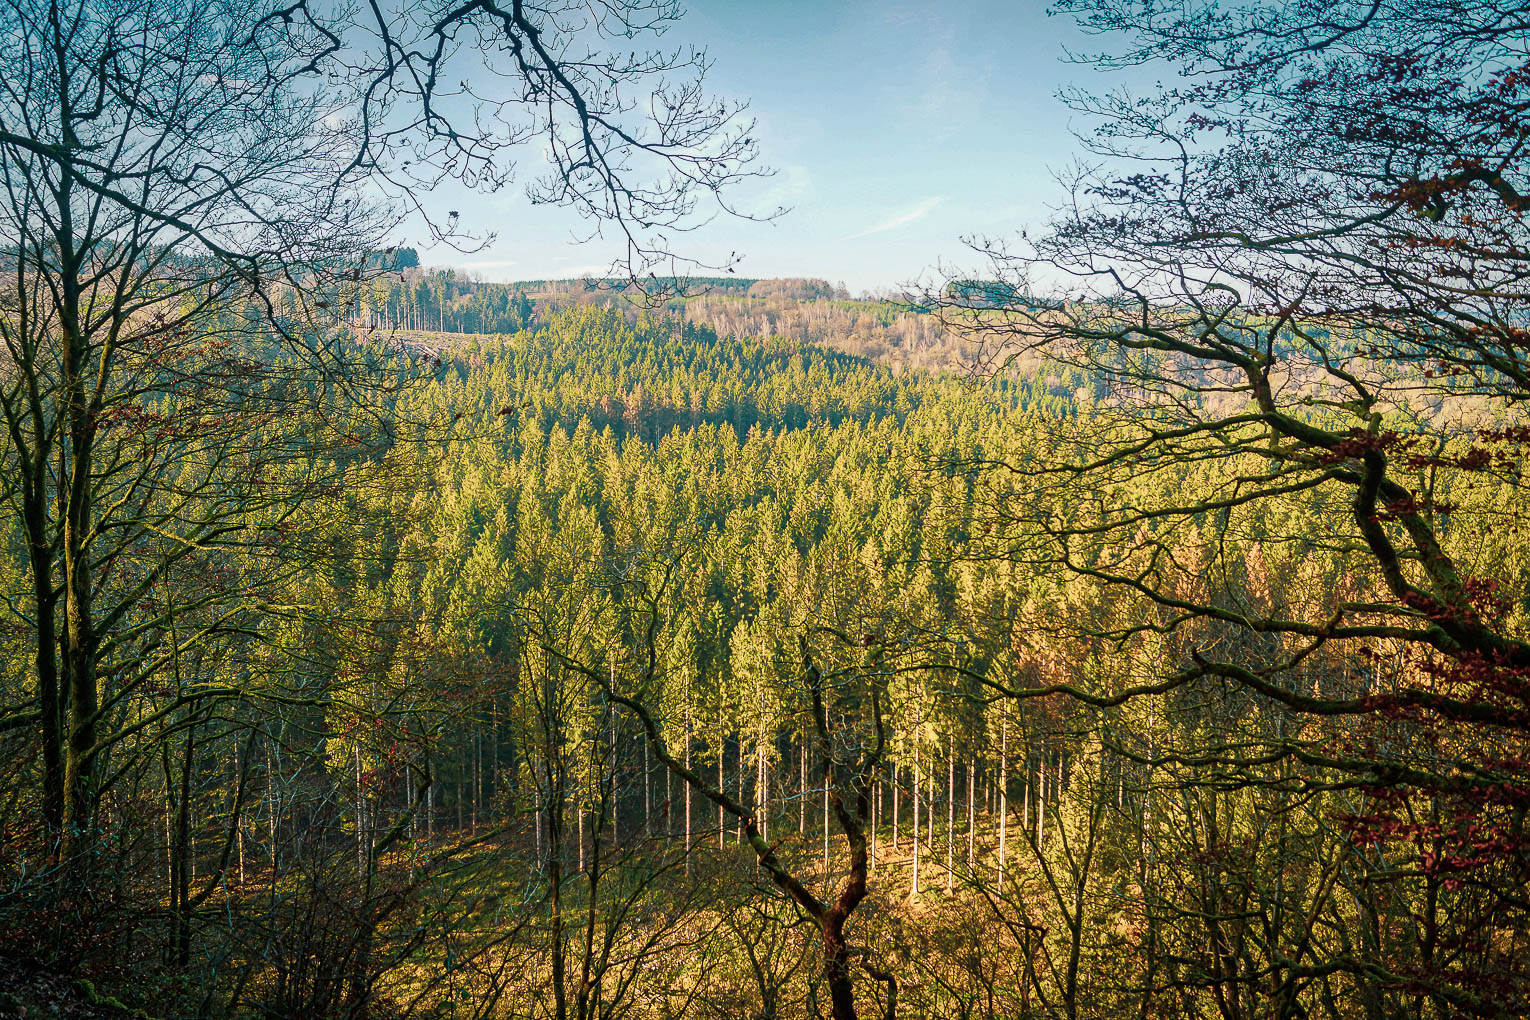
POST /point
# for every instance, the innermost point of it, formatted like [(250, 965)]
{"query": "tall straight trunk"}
[(647, 799), (239, 823), (802, 786), (895, 809), (914, 888), (430, 807), (1041, 799), (761, 788), (170, 886), (406, 797), (826, 833), (1003, 793), (273, 823), (950, 810), (971, 815), (555, 851), (722, 826), (685, 787), (761, 780), (361, 821), (45, 602), (876, 815), (929, 813), (1025, 797)]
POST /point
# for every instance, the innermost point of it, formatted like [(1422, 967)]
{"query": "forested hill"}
[(450, 302), (651, 376)]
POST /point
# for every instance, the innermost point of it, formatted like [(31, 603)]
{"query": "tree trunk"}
[(361, 821), (802, 786), (1003, 792), (826, 834), (1041, 800), (971, 816), (876, 815), (914, 800), (238, 773), (182, 855), (555, 889), (272, 805), (685, 789), (950, 811), (40, 552), (81, 643), (836, 970)]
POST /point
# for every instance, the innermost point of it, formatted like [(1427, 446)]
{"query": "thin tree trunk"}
[(914, 888), (950, 810), (802, 786), (971, 815), (761, 789), (876, 813), (826, 833), (1025, 797), (361, 821), (555, 884), (273, 822), (239, 823), (684, 787), (430, 807), (1003, 793), (1041, 800)]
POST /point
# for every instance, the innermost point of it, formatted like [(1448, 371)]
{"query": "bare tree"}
[(192, 199), (1293, 289)]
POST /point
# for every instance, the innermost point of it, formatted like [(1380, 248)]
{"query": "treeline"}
[(808, 310)]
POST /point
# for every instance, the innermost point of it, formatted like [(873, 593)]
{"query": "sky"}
[(895, 131)]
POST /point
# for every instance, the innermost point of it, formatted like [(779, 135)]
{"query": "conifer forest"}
[(1133, 622)]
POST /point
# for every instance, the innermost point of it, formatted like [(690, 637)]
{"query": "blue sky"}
[(896, 129)]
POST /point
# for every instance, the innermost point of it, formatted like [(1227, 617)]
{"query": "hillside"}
[(803, 310)]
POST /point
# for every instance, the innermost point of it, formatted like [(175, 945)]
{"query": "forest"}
[(1137, 627)]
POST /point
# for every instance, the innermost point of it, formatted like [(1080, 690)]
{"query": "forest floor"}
[(27, 990)]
